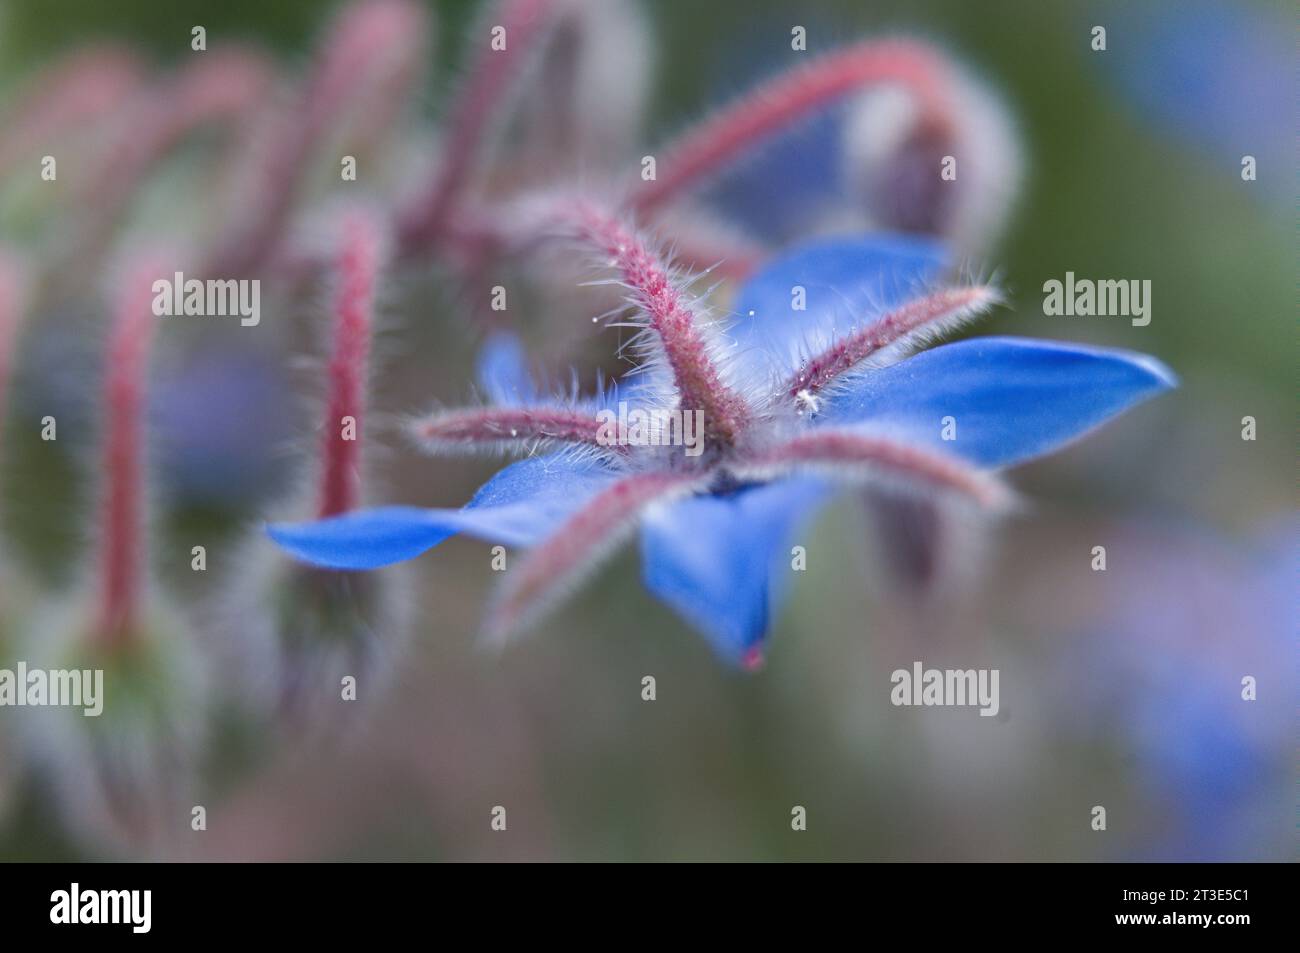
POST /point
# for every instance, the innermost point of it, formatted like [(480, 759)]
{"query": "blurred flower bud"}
[(949, 167), (321, 627), (584, 109), (122, 779), (329, 627)]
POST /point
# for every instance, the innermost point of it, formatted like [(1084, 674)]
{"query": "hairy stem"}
[(938, 310), (780, 102), (358, 267), (121, 516), (577, 548), (699, 385), (495, 426), (852, 455)]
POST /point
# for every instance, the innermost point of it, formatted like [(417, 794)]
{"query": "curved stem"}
[(220, 87), (765, 111), (77, 89), (487, 85)]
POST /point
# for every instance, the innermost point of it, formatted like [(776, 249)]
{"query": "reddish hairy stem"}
[(122, 539), (849, 351), (578, 546), (845, 451), (698, 382), (488, 84), (494, 425), (787, 98), (358, 267)]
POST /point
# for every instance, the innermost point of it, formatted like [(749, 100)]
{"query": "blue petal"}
[(519, 506), (503, 370), (722, 561), (528, 500), (845, 281), (1012, 398), (365, 539)]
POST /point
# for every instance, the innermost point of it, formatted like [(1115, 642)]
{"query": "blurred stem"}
[(790, 97), (122, 544), (11, 310), (478, 103)]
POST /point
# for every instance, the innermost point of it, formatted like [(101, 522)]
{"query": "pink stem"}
[(82, 87), (11, 311), (490, 79), (848, 452), (941, 308), (578, 546), (122, 542), (358, 267), (496, 425), (697, 379), (766, 110)]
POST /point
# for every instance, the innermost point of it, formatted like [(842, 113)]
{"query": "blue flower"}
[(1209, 75), (813, 387), (1157, 670)]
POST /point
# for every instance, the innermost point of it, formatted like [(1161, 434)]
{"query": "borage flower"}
[(794, 403)]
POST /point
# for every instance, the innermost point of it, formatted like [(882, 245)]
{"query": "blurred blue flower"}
[(1210, 74), (803, 401), (223, 418), (1159, 670)]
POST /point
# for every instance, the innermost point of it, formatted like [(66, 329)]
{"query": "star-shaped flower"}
[(810, 388)]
